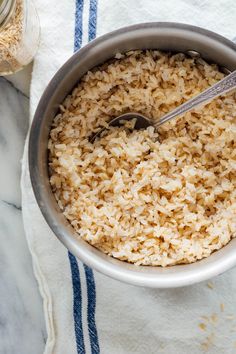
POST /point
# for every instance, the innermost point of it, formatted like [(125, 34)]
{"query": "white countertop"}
[(22, 328)]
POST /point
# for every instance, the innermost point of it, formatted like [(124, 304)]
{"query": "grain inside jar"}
[(19, 34)]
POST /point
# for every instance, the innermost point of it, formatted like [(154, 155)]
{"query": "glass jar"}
[(19, 34)]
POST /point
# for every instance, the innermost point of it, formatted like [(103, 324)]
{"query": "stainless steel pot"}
[(164, 36)]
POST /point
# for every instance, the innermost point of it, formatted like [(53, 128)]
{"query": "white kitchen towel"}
[(86, 312)]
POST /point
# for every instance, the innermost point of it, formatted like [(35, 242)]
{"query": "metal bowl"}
[(164, 36)]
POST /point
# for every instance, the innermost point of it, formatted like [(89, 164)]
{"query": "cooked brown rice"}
[(147, 198)]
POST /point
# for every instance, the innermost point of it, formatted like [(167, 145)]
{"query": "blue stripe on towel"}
[(77, 305), (91, 288), (92, 19), (78, 24), (91, 291), (77, 301)]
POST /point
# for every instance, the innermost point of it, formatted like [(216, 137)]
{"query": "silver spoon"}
[(142, 122)]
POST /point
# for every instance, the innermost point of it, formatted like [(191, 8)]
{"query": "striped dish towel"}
[(86, 312)]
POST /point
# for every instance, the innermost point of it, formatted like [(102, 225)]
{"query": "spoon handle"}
[(222, 86)]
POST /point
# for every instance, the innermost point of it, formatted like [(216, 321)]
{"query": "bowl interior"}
[(162, 36)]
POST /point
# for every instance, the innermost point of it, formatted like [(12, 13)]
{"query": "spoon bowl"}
[(141, 122)]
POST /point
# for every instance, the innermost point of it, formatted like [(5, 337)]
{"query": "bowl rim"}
[(94, 260)]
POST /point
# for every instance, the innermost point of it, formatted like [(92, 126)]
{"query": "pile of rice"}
[(144, 197)]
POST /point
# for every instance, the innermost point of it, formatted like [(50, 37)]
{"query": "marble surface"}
[(22, 328)]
